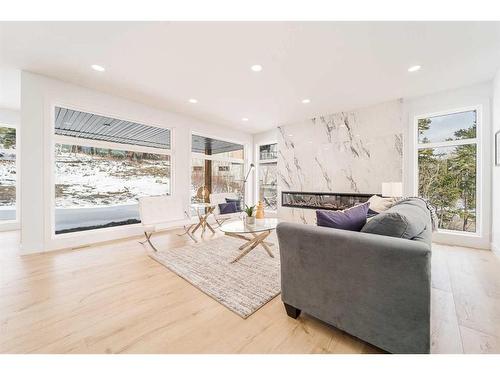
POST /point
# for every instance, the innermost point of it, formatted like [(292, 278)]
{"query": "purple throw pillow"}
[(353, 218), (227, 208)]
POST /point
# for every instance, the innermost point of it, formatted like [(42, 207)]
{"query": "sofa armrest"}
[(372, 286)]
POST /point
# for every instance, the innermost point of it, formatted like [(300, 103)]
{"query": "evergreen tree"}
[(447, 177), (7, 137)]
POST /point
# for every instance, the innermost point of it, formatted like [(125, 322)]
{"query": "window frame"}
[(62, 139), (257, 174), (479, 162), (13, 224)]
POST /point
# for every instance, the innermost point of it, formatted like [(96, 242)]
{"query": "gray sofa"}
[(372, 286)]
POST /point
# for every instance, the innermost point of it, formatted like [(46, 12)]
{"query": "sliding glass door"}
[(268, 176), (216, 167)]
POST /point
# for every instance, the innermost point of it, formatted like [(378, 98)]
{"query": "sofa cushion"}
[(379, 204), (218, 198), (237, 202), (227, 208), (407, 219), (351, 219)]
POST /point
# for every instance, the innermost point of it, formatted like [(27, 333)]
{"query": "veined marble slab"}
[(345, 152)]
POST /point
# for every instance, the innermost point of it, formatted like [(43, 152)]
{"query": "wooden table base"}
[(203, 218), (252, 243)]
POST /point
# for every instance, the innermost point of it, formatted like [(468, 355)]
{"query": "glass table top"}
[(240, 226)]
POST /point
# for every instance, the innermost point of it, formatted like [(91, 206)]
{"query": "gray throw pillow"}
[(407, 219)]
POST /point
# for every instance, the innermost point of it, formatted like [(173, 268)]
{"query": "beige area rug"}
[(243, 287)]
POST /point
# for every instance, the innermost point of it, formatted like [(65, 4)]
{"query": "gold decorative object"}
[(259, 213), (202, 193)]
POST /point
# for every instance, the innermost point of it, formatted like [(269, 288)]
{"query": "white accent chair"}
[(163, 212), (218, 198)]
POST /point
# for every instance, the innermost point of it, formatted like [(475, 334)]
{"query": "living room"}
[(260, 187)]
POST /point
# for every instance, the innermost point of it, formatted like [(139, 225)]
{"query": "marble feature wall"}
[(346, 152)]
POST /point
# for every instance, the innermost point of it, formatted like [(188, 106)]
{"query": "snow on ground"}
[(7, 178), (7, 185), (84, 180), (96, 190)]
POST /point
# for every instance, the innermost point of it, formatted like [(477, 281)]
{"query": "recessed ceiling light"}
[(244, 119), (98, 68), (194, 101), (306, 101), (256, 68), (290, 135), (414, 68)]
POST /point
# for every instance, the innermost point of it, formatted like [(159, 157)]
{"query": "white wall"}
[(476, 95), (270, 136), (39, 96), (495, 206)]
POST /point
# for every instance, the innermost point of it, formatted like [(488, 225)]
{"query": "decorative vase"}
[(250, 220), (259, 213)]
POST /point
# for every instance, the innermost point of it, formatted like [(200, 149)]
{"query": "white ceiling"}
[(338, 65)]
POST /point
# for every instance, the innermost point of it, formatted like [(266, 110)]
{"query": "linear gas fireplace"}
[(325, 201)]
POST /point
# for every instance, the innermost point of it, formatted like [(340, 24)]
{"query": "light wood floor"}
[(113, 298)]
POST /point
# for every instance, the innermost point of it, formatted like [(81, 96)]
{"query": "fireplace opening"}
[(324, 201)]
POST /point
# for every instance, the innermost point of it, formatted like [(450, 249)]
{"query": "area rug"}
[(243, 287)]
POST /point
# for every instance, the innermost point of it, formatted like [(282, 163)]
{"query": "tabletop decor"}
[(259, 212), (250, 219)]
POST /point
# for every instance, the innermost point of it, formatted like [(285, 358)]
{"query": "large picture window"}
[(8, 173), (102, 166), (268, 176), (217, 167), (447, 168)]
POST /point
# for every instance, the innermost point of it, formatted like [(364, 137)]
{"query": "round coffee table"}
[(258, 231)]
